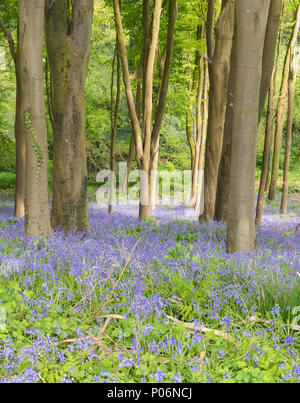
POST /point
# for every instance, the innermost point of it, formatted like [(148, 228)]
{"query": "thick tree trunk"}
[(282, 107), (68, 32), (219, 75), (291, 94), (225, 164), (251, 23), (31, 31)]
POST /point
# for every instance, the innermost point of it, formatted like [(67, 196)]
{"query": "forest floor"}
[(151, 301)]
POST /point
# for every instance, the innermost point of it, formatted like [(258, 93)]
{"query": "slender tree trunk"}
[(145, 204), (127, 84), (138, 112), (219, 75), (266, 153), (269, 51), (20, 136), (268, 140), (199, 124), (31, 31), (252, 18), (150, 131), (282, 107), (115, 105), (68, 33), (162, 96), (291, 94), (204, 111), (19, 208), (272, 135)]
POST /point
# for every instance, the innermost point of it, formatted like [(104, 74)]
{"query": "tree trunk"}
[(114, 110), (20, 135), (199, 124), (225, 164), (268, 139), (145, 204), (204, 111), (291, 94), (132, 142), (31, 30), (269, 52), (162, 96), (150, 131), (68, 33), (251, 23), (282, 106), (219, 75)]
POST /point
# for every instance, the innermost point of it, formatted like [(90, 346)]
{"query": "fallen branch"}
[(202, 329), (67, 341), (255, 319)]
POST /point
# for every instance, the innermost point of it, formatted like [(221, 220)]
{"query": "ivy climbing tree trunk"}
[(68, 33), (251, 23), (31, 32)]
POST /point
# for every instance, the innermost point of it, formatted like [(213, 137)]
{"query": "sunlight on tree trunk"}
[(31, 31)]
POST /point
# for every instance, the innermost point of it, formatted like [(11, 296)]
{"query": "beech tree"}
[(282, 106), (267, 68), (68, 34), (219, 68), (294, 62), (252, 18), (19, 208), (114, 115), (31, 33), (147, 139)]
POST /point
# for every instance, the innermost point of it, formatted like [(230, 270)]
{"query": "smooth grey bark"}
[(31, 32), (219, 76), (251, 23), (19, 207)]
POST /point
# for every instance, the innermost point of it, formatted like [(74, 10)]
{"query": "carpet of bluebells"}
[(129, 301)]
